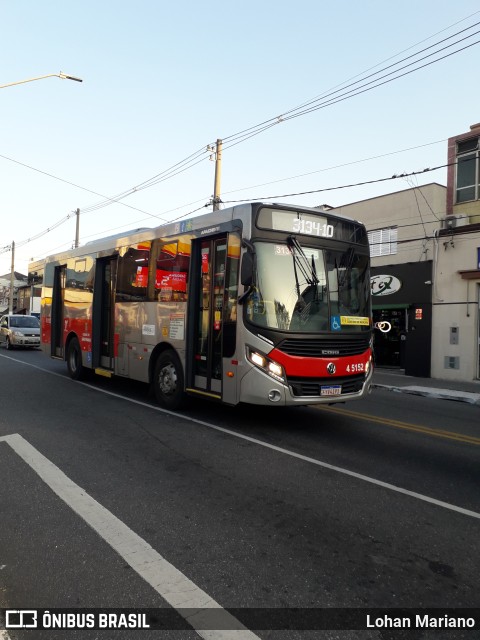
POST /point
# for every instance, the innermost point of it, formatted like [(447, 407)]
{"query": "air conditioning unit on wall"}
[(455, 220)]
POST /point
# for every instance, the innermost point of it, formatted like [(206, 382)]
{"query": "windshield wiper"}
[(308, 271)]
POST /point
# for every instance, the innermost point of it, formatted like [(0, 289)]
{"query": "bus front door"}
[(207, 339)]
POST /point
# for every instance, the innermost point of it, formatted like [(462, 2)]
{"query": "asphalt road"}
[(370, 504)]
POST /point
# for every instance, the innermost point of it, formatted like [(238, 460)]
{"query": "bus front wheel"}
[(75, 367), (168, 380)]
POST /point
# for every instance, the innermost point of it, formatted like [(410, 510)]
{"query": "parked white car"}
[(19, 331)]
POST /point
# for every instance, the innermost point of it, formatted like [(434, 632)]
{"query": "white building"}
[(456, 300)]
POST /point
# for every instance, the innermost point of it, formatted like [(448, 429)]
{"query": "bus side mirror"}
[(246, 273)]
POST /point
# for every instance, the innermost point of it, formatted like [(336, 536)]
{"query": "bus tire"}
[(168, 381), (75, 367)]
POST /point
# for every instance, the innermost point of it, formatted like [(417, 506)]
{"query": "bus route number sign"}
[(307, 224), (311, 226)]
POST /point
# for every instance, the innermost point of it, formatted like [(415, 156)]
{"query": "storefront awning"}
[(473, 274)]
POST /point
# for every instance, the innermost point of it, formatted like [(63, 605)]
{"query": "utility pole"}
[(61, 75), (12, 280), (218, 175), (77, 228)]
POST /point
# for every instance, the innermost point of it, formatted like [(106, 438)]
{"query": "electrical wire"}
[(358, 75), (263, 198), (73, 184), (345, 186), (338, 166), (163, 213), (177, 169), (313, 105), (22, 243), (337, 96), (102, 234), (399, 62)]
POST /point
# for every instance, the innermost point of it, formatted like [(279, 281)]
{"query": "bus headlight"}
[(272, 368)]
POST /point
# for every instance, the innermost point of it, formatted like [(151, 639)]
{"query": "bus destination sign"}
[(309, 224)]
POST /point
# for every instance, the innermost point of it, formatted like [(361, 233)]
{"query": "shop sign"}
[(385, 285)]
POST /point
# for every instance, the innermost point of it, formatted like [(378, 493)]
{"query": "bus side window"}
[(171, 271), (132, 274)]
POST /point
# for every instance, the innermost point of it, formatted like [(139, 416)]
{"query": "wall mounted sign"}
[(384, 285)]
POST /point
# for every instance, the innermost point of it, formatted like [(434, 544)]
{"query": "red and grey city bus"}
[(257, 303)]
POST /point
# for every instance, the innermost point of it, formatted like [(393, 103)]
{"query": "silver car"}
[(19, 331)]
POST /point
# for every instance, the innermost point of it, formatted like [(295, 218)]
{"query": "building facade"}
[(456, 294), (425, 248), (402, 229), (19, 280)]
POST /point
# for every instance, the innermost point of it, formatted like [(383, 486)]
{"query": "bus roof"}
[(181, 226)]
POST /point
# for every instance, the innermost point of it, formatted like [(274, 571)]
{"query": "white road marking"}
[(266, 445), (172, 585)]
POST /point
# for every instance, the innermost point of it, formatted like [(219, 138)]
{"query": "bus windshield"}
[(307, 289)]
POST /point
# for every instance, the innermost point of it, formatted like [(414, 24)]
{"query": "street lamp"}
[(61, 75)]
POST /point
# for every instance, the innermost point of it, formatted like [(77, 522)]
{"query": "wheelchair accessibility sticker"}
[(335, 323)]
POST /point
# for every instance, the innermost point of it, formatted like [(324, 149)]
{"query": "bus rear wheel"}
[(168, 381), (75, 367)]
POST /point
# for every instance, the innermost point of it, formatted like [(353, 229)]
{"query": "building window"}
[(467, 171), (383, 242)]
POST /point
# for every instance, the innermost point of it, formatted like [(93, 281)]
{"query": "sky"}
[(163, 80)]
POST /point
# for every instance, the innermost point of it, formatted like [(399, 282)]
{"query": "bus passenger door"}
[(103, 313), (58, 312), (206, 340)]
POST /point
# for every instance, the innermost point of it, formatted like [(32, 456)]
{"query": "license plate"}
[(332, 390)]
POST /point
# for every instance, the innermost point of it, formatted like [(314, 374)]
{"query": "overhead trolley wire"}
[(324, 100), (333, 97), (345, 186), (73, 184), (171, 172)]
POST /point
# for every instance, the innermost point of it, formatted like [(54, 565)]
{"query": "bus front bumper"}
[(259, 388)]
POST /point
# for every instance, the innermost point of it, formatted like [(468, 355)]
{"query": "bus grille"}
[(325, 347), (311, 386)]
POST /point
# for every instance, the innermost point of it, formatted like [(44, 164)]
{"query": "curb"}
[(441, 394)]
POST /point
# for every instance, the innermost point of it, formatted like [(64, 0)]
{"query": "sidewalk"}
[(396, 380)]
